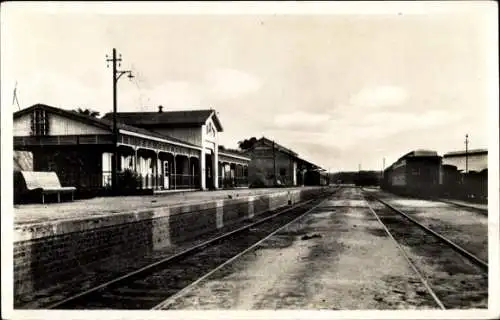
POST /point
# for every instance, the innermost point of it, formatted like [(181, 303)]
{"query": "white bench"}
[(46, 183)]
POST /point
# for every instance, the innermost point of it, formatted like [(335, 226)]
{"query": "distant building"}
[(272, 163), (168, 150), (477, 159)]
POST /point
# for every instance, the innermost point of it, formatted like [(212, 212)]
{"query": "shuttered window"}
[(39, 123)]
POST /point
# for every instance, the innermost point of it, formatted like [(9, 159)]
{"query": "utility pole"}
[(466, 153), (116, 76), (274, 165), (383, 168)]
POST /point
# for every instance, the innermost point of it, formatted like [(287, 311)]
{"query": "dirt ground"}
[(335, 258)]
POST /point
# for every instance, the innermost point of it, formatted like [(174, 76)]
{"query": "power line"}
[(142, 93)]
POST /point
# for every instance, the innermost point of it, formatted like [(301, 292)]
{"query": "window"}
[(39, 123), (210, 129)]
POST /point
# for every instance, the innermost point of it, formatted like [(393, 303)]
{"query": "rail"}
[(477, 261), (171, 259)]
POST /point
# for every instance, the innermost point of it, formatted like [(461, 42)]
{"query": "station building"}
[(272, 163), (167, 149)]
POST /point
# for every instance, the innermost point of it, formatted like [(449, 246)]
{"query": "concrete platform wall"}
[(47, 253)]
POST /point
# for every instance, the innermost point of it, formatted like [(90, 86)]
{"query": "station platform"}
[(59, 243), (105, 206)]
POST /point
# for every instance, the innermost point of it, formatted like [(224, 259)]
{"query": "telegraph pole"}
[(116, 76), (274, 165), (466, 153), (383, 168)]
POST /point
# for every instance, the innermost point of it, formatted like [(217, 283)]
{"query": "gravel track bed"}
[(458, 283), (466, 227), (337, 257)]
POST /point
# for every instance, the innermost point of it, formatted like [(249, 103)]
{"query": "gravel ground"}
[(466, 227), (457, 283), (338, 258)]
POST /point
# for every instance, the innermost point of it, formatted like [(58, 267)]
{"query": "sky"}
[(344, 88)]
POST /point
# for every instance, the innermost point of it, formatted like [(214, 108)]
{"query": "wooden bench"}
[(45, 183)]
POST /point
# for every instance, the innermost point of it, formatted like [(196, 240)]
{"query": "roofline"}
[(217, 120), (234, 156), (140, 135), (64, 112), (213, 113), (463, 153), (287, 150), (102, 123)]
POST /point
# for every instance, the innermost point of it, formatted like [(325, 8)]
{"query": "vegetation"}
[(247, 143), (128, 182), (88, 112)]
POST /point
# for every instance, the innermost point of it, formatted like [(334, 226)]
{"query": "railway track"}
[(147, 287), (478, 210), (453, 276), (481, 211)]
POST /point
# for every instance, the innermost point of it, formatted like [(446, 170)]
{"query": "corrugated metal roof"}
[(462, 153), (166, 118)]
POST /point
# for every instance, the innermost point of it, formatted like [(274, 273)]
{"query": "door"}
[(166, 175)]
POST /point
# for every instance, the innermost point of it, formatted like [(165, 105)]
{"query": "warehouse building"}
[(474, 160), (273, 164), (167, 150)]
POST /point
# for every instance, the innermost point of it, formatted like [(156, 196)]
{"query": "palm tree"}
[(88, 112)]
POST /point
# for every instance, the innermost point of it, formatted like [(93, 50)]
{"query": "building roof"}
[(462, 153), (101, 123), (420, 153), (283, 149), (167, 118), (277, 146)]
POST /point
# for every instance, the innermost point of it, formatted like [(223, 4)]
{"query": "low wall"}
[(48, 253)]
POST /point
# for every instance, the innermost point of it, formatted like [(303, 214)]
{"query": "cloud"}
[(381, 96), (173, 95), (230, 83), (302, 121)]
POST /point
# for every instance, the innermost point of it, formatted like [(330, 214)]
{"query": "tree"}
[(88, 112), (247, 143)]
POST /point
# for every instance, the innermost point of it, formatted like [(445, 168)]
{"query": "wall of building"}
[(22, 125), (261, 167), (64, 126), (58, 125), (475, 162), (54, 253), (191, 135)]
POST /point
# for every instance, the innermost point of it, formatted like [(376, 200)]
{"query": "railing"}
[(237, 182), (62, 140), (184, 181)]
